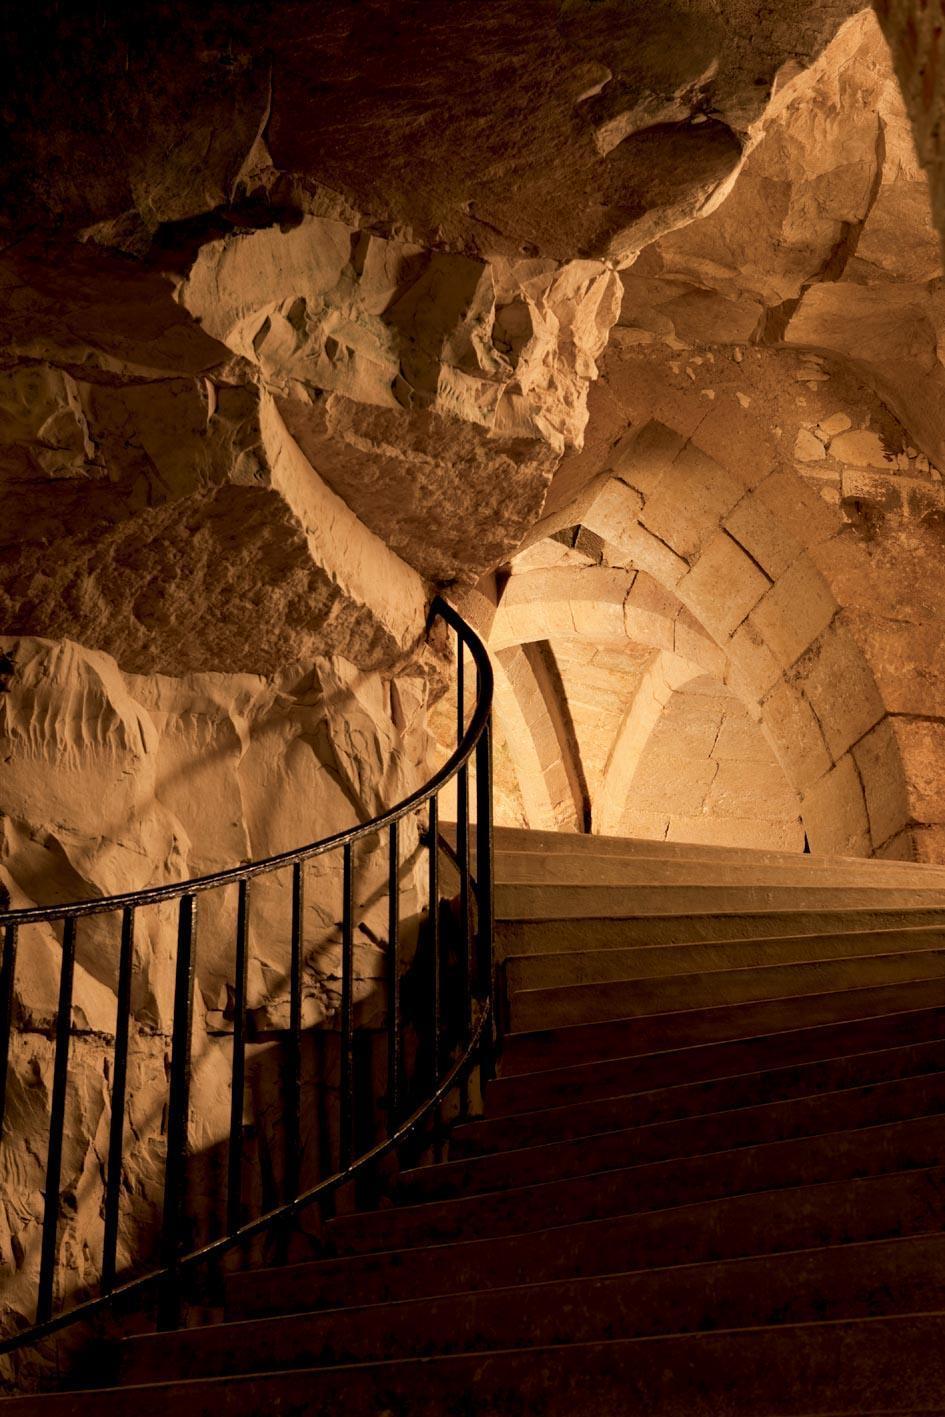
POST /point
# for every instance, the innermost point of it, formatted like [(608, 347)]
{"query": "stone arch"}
[(543, 760), (543, 757), (609, 606), (666, 674), (608, 603), (750, 559), (706, 773)]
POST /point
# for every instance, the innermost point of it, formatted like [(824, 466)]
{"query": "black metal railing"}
[(444, 1057)]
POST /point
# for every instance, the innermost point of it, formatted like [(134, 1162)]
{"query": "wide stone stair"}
[(709, 1177)]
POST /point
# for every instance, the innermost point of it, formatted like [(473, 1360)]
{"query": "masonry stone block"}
[(839, 684), (797, 608), (835, 813), (793, 730), (693, 497), (878, 760), (723, 586), (763, 535)]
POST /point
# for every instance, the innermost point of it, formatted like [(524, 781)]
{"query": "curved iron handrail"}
[(271, 1218), (475, 1038), (154, 895)]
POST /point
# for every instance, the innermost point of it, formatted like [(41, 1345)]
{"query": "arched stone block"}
[(835, 813)]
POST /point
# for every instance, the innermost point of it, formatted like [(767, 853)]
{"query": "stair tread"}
[(535, 868), (528, 839), (695, 1062), (523, 937), (513, 1209), (747, 1368), (763, 1221), (561, 1005), (881, 1063), (585, 1154), (597, 966), (825, 1281), (563, 902), (588, 1041)]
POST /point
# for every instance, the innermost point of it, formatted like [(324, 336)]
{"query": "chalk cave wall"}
[(653, 303)]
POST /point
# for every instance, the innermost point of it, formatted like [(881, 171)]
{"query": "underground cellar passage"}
[(472, 709)]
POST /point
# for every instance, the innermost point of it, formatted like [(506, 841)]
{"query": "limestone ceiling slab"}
[(825, 240), (562, 127)]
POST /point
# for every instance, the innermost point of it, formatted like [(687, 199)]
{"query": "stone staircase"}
[(709, 1179)]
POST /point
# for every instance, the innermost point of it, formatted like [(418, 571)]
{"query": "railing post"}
[(57, 1122), (436, 1022), (7, 975), (484, 882), (178, 1119), (346, 1127), (293, 1128), (116, 1134), (462, 846), (234, 1164), (393, 980)]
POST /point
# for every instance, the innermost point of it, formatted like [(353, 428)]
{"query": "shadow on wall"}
[(271, 1152)]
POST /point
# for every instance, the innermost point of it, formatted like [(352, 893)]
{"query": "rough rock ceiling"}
[(560, 127), (398, 225)]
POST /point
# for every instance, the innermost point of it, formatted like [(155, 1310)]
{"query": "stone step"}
[(862, 1363), (851, 1281), (852, 1365), (621, 1038), (585, 869), (551, 902), (664, 927), (576, 1004), (869, 1150), (508, 1096), (567, 967), (862, 1106), (835, 1212), (692, 1099), (545, 843)]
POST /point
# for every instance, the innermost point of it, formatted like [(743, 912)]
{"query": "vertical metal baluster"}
[(234, 1165), (116, 1133), (293, 1130), (462, 846), (346, 1128), (434, 850), (178, 1118), (7, 974), (57, 1122), (484, 882), (393, 981)]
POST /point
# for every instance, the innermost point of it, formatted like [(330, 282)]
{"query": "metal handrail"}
[(154, 895), (474, 1037)]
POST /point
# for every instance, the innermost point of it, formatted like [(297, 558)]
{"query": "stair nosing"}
[(733, 1261), (516, 1078), (703, 1008), (753, 969), (393, 1210), (652, 1127), (617, 1097)]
